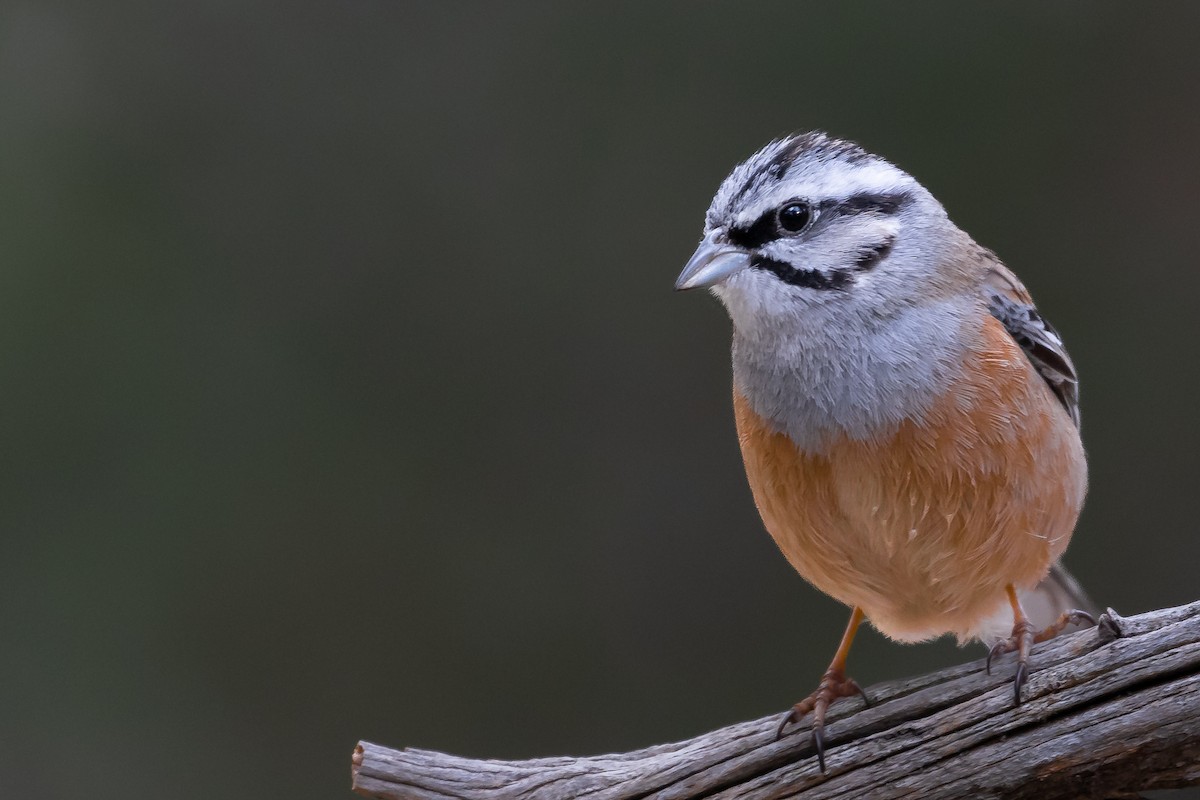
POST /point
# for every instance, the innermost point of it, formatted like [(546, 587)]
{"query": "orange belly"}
[(924, 526)]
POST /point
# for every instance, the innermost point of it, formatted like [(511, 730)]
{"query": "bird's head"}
[(810, 221)]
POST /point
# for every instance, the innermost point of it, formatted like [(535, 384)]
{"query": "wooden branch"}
[(1107, 712)]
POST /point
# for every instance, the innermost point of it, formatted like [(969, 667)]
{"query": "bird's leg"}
[(834, 684), (1023, 637)]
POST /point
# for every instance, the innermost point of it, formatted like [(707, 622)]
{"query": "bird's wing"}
[(1009, 301)]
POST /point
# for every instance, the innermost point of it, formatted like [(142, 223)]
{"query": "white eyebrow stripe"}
[(810, 166), (875, 177), (836, 182)]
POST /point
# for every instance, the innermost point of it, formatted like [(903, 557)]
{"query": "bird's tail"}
[(1058, 592), (1044, 604)]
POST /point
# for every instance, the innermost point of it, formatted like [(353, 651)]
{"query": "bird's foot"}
[(833, 685), (1024, 637)]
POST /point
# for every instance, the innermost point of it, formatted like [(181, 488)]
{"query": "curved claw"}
[(1019, 680), (853, 684), (1078, 616), (783, 723), (995, 650), (833, 686), (818, 738)]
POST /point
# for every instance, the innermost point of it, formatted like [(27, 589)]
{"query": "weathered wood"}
[(1107, 712)]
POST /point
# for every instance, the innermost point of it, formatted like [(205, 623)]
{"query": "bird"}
[(908, 420)]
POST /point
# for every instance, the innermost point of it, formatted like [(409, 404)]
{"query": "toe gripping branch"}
[(1024, 637), (834, 684)]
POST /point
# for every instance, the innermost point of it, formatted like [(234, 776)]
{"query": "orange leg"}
[(834, 684), (1024, 637)]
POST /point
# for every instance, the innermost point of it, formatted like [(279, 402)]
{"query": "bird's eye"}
[(794, 217)]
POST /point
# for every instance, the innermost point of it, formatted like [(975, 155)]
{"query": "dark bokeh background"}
[(346, 395)]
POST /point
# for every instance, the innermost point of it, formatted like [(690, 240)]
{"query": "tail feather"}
[(1043, 604), (1058, 592)]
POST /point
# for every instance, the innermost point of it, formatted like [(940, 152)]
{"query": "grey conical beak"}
[(712, 263)]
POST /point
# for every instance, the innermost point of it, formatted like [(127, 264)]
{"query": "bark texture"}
[(1107, 712)]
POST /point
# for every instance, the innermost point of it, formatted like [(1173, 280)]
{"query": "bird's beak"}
[(712, 263)]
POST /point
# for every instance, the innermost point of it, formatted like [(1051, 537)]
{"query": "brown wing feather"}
[(1009, 302)]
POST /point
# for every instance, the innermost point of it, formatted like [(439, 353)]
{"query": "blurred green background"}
[(346, 395)]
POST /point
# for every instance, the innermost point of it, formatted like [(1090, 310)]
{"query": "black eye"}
[(794, 217)]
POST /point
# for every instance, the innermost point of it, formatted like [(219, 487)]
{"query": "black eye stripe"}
[(764, 230), (872, 203), (761, 232)]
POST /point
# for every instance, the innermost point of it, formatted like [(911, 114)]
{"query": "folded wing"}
[(1009, 302)]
